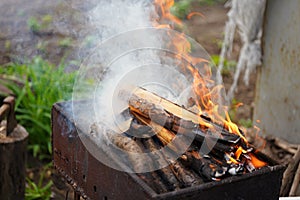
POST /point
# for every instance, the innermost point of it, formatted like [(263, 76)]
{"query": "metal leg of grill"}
[(76, 196)]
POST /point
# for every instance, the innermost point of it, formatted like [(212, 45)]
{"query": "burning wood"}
[(161, 121)]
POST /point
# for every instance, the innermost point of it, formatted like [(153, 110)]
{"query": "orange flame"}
[(190, 15), (164, 6), (231, 159), (239, 152), (206, 96), (256, 162), (262, 142)]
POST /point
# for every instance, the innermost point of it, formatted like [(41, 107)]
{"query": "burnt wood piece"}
[(175, 175), (175, 117), (132, 145), (186, 177), (13, 151), (158, 159), (166, 136), (202, 166)]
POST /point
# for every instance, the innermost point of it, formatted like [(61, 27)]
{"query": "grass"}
[(40, 189), (182, 8), (247, 123), (228, 67), (38, 24), (37, 86), (66, 42)]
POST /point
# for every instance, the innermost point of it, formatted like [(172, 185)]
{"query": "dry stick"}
[(291, 148), (295, 183), (289, 174)]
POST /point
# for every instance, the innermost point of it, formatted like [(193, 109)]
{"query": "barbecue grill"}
[(91, 179)]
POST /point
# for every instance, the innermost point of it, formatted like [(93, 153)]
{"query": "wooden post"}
[(13, 142)]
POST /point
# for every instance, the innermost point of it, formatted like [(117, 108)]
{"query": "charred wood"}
[(202, 166), (175, 117)]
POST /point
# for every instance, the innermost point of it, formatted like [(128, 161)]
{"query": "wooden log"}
[(202, 166), (13, 151), (177, 118), (175, 175), (135, 163), (296, 182), (290, 148), (289, 174), (158, 158), (166, 136), (186, 177)]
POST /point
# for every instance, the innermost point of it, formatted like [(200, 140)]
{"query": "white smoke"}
[(130, 53)]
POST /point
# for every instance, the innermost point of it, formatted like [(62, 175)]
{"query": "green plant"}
[(229, 65), (34, 24), (66, 42), (247, 123), (37, 24), (39, 86), (181, 8), (210, 2), (39, 190)]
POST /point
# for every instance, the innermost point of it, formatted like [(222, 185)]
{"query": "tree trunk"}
[(12, 164), (13, 142)]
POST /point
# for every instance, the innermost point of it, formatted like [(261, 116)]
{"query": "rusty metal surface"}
[(94, 180), (277, 103)]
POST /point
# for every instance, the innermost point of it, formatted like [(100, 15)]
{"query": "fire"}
[(206, 97), (190, 15), (164, 6), (239, 152), (256, 162), (230, 159)]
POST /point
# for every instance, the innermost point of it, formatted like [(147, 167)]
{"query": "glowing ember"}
[(256, 162)]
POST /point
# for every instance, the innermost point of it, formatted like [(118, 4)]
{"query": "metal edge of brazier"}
[(93, 180)]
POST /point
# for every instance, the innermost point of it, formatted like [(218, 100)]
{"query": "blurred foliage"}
[(40, 189), (228, 67), (33, 24), (66, 42), (37, 85), (182, 8), (247, 123), (38, 24), (210, 2)]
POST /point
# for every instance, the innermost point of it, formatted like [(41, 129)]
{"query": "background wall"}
[(277, 103)]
